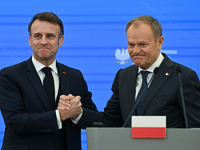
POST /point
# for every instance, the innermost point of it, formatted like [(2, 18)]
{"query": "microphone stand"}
[(155, 71)]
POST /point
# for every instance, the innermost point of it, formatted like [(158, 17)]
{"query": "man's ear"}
[(160, 42), (60, 41), (29, 41)]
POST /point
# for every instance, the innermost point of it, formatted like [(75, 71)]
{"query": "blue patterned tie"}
[(49, 84), (144, 85)]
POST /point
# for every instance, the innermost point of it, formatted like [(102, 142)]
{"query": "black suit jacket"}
[(29, 117), (162, 99)]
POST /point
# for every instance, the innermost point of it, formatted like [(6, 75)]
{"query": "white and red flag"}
[(148, 127)]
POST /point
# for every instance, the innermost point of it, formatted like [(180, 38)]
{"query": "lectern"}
[(120, 139)]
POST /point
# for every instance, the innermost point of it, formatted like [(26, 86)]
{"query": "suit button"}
[(50, 148)]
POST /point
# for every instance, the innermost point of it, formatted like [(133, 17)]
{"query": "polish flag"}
[(148, 127)]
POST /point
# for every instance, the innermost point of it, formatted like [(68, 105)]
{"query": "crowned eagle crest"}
[(122, 55)]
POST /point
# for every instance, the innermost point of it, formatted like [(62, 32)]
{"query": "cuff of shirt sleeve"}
[(75, 121), (58, 120)]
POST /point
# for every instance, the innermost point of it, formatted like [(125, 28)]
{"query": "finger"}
[(63, 97), (64, 101), (80, 104), (69, 97), (78, 97), (63, 104), (75, 101), (61, 108)]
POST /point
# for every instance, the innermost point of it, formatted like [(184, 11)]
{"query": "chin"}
[(137, 63), (141, 66)]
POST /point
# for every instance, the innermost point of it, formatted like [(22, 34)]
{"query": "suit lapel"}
[(159, 80), (63, 79), (132, 77), (36, 82)]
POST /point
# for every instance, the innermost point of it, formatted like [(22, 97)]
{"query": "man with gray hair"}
[(151, 85)]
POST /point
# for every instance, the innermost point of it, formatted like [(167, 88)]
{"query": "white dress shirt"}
[(38, 66), (150, 69)]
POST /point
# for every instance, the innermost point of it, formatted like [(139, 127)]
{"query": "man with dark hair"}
[(49, 17), (30, 90), (162, 97)]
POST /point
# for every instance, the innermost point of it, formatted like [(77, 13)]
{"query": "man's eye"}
[(131, 45), (50, 35), (143, 44), (37, 35)]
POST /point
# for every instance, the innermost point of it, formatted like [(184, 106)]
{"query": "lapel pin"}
[(166, 73), (64, 72)]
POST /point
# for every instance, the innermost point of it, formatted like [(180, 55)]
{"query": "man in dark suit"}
[(32, 121), (163, 97)]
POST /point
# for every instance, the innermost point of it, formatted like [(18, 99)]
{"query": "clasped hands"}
[(69, 106)]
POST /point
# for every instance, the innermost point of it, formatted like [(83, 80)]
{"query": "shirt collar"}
[(154, 65), (38, 65)]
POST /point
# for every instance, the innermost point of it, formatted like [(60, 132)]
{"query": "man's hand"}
[(69, 107)]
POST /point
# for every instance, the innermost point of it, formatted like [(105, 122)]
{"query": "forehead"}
[(44, 27), (140, 31)]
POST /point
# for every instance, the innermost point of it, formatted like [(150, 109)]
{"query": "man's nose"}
[(43, 40), (134, 50)]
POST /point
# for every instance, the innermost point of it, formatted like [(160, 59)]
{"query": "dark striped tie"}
[(144, 85)]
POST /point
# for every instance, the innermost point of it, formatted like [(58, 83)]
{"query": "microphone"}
[(98, 124), (178, 70), (154, 73)]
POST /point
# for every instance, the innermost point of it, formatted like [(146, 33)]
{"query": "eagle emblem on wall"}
[(122, 56)]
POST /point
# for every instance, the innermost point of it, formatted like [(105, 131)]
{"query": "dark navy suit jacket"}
[(29, 117), (163, 98)]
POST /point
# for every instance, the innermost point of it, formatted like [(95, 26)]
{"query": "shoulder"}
[(186, 72), (127, 73), (69, 70), (184, 69), (174, 65), (130, 69), (16, 68)]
